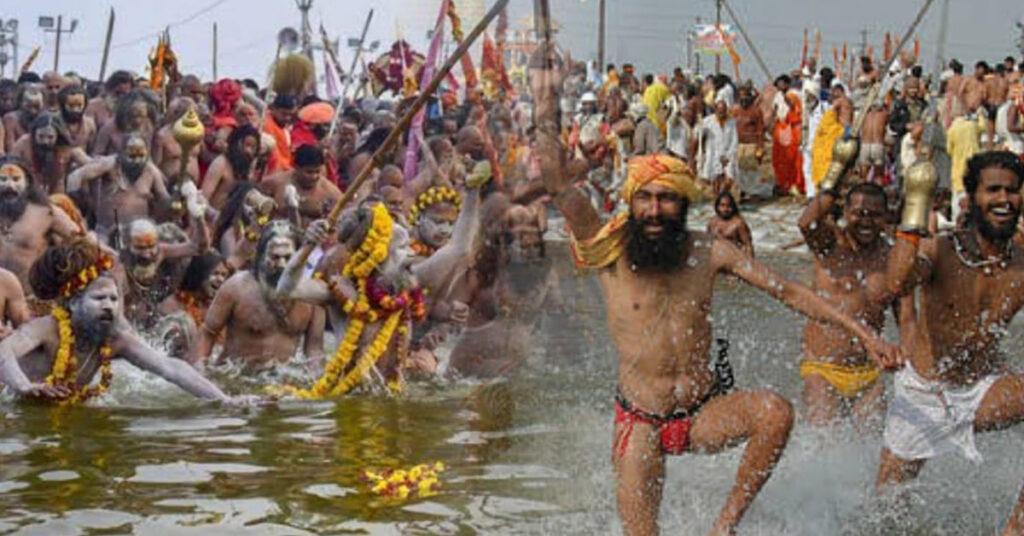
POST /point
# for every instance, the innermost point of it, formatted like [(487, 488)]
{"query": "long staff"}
[(403, 124)]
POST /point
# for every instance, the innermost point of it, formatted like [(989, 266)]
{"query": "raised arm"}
[(727, 257), (97, 167), (176, 371), (293, 285), (818, 231), (439, 266)]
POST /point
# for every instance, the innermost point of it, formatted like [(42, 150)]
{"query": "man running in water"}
[(658, 280), (956, 381)]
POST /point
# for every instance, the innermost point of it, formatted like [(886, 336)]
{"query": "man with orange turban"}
[(658, 280), (312, 127)]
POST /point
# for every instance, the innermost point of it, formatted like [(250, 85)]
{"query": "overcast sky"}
[(650, 33)]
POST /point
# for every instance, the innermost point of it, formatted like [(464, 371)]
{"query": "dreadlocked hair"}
[(60, 264)]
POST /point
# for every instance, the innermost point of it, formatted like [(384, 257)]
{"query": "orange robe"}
[(786, 158), (281, 160)]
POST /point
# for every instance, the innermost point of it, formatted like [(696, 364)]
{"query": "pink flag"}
[(412, 151)]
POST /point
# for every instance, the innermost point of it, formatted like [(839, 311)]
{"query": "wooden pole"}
[(718, 24), (106, 46), (403, 124), (746, 38)]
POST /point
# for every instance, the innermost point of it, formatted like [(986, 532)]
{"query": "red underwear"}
[(674, 431)]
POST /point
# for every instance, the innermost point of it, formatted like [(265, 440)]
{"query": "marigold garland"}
[(431, 197), (421, 480), (86, 275), (373, 303), (65, 365), (421, 249)]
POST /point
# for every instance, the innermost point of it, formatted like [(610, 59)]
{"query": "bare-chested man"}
[(48, 150), (101, 108), (17, 123), (728, 224), (151, 268), (203, 278), (166, 150), (134, 113), (81, 129), (316, 195), (53, 82), (28, 223), (122, 187), (395, 275), (957, 380), (264, 328), (849, 272), (239, 226), (235, 165), (750, 129), (871, 158), (91, 309), (658, 280), (13, 306)]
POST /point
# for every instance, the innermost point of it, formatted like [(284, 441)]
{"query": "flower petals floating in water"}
[(418, 481)]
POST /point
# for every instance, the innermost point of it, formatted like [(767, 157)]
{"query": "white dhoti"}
[(930, 418)]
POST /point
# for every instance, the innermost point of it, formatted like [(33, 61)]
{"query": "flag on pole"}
[(468, 71), (330, 80), (409, 167)]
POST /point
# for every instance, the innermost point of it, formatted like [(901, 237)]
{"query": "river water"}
[(530, 455)]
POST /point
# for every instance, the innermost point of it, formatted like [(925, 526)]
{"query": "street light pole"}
[(46, 23)]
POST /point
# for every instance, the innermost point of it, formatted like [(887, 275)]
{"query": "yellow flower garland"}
[(65, 366), (421, 480), (361, 263), (431, 197)]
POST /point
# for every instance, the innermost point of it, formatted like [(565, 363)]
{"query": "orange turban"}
[(604, 248), (662, 170), (317, 113)]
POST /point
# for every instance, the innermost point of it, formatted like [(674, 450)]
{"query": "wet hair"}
[(231, 211), (47, 119), (956, 66), (199, 270), (983, 65), (240, 166), (60, 264), (997, 159), (118, 78), (124, 107), (272, 230), (726, 194), (784, 78), (868, 189), (308, 155), (69, 90), (1010, 59), (1000, 69)]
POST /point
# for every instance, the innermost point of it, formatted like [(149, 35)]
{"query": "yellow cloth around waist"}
[(850, 381)]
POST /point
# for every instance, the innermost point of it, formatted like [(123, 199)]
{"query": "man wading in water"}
[(956, 380), (658, 279)]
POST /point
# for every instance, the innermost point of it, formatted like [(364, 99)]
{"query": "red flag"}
[(887, 48)]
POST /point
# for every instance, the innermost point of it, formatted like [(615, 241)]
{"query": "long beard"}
[(130, 169), (72, 118), (270, 278), (44, 154), (665, 253), (994, 232), (92, 333), (12, 205)]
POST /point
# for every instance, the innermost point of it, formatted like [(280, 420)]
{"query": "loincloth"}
[(673, 428), (929, 418), (849, 380)]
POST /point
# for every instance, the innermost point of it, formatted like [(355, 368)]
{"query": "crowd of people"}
[(121, 240)]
